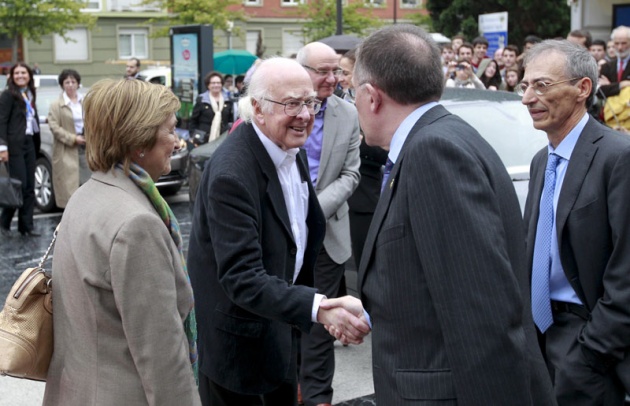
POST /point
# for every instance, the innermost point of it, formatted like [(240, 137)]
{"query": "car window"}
[(507, 126), (44, 99)]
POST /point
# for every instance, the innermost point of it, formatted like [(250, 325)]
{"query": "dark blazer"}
[(13, 123), (592, 221), (202, 116), (443, 277), (610, 71), (241, 261)]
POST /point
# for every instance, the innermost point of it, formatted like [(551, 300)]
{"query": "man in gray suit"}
[(577, 215), (333, 158), (443, 273)]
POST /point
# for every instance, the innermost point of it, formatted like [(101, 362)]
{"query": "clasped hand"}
[(344, 319)]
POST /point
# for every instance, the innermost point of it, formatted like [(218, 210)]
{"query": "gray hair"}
[(619, 30), (579, 61), (245, 109), (403, 61)]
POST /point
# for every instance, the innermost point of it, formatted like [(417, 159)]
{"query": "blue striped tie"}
[(388, 169), (541, 303)]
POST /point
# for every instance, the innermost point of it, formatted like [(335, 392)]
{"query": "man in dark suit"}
[(577, 216), (257, 230), (617, 71), (443, 273)]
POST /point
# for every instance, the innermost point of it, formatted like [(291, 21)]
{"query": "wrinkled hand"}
[(344, 318), (80, 140), (603, 81), (4, 156)]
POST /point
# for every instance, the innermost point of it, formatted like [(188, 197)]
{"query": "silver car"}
[(44, 191)]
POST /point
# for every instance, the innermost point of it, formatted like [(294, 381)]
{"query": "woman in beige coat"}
[(65, 119), (124, 321)]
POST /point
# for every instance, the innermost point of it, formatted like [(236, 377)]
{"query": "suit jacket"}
[(65, 159), (241, 260), (338, 174), (443, 277), (610, 71), (592, 229), (120, 297), (13, 124)]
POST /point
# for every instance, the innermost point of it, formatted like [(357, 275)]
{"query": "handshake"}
[(344, 318)]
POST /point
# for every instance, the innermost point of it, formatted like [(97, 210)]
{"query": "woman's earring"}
[(142, 155)]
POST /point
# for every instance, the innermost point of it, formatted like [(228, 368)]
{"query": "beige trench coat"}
[(65, 159)]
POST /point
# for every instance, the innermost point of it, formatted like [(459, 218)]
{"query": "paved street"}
[(353, 377)]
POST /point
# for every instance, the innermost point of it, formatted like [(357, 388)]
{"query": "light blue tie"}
[(388, 169), (541, 303)]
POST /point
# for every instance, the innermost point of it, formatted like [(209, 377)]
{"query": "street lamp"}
[(230, 27)]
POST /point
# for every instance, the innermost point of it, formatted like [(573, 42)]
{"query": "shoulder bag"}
[(26, 324), (10, 190)]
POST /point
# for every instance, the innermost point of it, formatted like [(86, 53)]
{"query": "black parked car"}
[(499, 117)]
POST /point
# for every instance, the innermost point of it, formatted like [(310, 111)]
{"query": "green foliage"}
[(422, 20), (32, 19), (183, 12), (546, 19), (321, 19)]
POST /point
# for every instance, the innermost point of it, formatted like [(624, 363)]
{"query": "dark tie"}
[(620, 70), (541, 304), (388, 169)]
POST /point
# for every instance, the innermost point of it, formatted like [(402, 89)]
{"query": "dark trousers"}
[(214, 395), (22, 167), (317, 363), (575, 383)]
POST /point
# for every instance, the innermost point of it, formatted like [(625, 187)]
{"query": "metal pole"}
[(339, 18), (395, 9)]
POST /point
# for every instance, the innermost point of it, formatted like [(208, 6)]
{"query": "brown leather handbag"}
[(26, 324)]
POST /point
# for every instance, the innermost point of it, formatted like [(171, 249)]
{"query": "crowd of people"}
[(468, 300)]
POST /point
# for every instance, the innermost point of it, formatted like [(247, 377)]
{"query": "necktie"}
[(388, 169), (541, 304), (620, 70)]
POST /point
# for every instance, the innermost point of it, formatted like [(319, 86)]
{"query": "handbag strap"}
[(50, 247)]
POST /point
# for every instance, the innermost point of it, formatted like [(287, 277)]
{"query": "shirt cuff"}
[(3, 148), (316, 301), (367, 317)]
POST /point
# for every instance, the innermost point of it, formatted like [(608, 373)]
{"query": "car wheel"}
[(170, 189), (44, 194)]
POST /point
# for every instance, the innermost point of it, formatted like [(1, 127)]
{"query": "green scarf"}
[(142, 179)]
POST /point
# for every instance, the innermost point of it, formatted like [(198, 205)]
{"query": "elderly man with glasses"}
[(578, 243), (257, 231), (333, 158)]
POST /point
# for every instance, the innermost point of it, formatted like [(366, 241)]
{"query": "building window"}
[(251, 40), (409, 3), (292, 41), (376, 3), (78, 49), (92, 5), (133, 43), (131, 5), (289, 3), (252, 2)]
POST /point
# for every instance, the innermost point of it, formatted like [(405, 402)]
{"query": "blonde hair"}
[(123, 116)]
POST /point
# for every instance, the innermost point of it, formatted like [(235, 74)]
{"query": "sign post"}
[(494, 28)]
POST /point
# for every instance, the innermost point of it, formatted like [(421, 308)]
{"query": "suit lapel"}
[(330, 130), (388, 192), (581, 159), (274, 189)]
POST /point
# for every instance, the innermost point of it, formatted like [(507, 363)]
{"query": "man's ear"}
[(585, 85), (375, 97), (260, 117)]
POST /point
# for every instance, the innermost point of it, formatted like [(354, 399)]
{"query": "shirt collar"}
[(67, 101), (566, 146), (400, 136), (278, 155)]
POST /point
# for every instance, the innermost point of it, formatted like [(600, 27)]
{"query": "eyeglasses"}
[(324, 73), (294, 107), (539, 87)]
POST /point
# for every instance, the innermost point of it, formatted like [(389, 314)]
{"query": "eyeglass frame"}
[(324, 73), (316, 102), (519, 90)]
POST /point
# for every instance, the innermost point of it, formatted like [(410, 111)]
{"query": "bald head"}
[(322, 64)]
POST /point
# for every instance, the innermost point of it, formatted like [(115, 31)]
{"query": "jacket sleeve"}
[(194, 118), (55, 123), (608, 70), (143, 278), (6, 105)]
